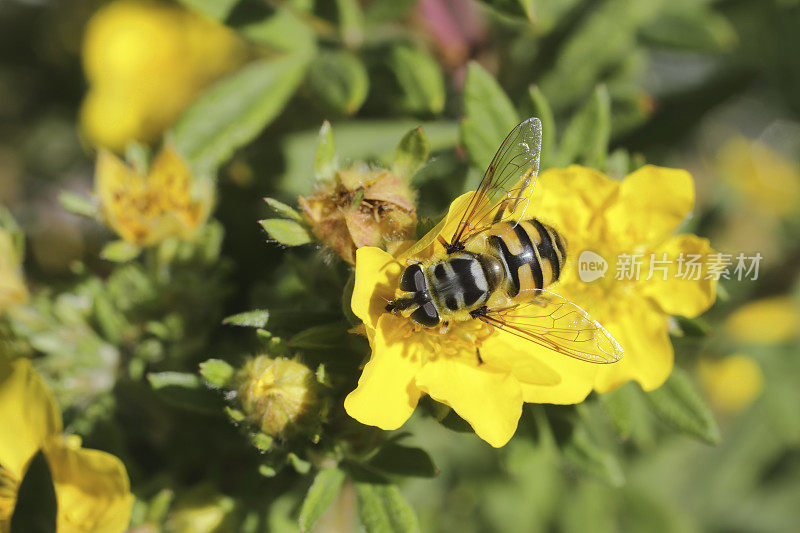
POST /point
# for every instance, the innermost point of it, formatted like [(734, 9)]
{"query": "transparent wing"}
[(558, 324), (507, 184)]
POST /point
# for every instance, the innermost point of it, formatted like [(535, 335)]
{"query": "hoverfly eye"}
[(413, 279), (426, 315)]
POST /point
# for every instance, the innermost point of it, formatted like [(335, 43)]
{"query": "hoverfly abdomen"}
[(532, 254)]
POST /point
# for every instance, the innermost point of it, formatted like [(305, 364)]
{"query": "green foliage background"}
[(616, 83)]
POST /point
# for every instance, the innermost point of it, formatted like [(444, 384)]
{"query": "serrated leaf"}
[(404, 461), (78, 205), (338, 80), (35, 508), (120, 251), (420, 78), (678, 403), (538, 106), (581, 452), (586, 137), (283, 210), (325, 156), (490, 116), (411, 153), (383, 509), (286, 232), (235, 110), (323, 492), (216, 372), (249, 319)]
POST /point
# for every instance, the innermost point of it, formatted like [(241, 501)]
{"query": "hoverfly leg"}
[(478, 355), (442, 241), (444, 327), (501, 209)]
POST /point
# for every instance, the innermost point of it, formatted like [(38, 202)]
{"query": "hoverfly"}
[(498, 262)]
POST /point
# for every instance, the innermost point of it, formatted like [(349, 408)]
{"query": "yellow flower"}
[(362, 207), (12, 285), (626, 223), (145, 62), (767, 180), (768, 321), (91, 486), (731, 383), (146, 209), (594, 213)]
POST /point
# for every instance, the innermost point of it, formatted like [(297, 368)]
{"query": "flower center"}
[(457, 340)]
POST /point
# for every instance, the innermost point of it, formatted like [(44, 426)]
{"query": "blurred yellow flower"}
[(651, 273), (146, 209), (731, 383), (12, 285), (764, 178), (91, 486), (145, 62), (768, 321)]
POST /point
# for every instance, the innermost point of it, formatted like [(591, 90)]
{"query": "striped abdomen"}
[(531, 253)]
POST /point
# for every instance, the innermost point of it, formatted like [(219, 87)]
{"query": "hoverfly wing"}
[(554, 322), (507, 183)]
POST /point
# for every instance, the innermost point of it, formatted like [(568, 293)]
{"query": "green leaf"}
[(581, 452), (279, 29), (323, 492), (321, 337), (514, 8), (693, 327), (538, 106), (351, 22), (78, 205), (678, 403), (325, 156), (490, 116), (248, 319), (411, 153), (338, 80), (619, 406), (420, 78), (697, 28), (120, 251), (404, 461), (587, 135), (216, 372), (138, 156), (35, 508), (286, 232), (383, 509), (216, 9), (235, 110), (283, 210), (185, 390)]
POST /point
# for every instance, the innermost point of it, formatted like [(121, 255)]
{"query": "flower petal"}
[(570, 198), (92, 489), (675, 295), (641, 329), (490, 400), (652, 202), (386, 394), (28, 413), (512, 354), (375, 283)]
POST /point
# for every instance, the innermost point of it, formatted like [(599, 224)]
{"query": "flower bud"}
[(279, 395), (361, 207)]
